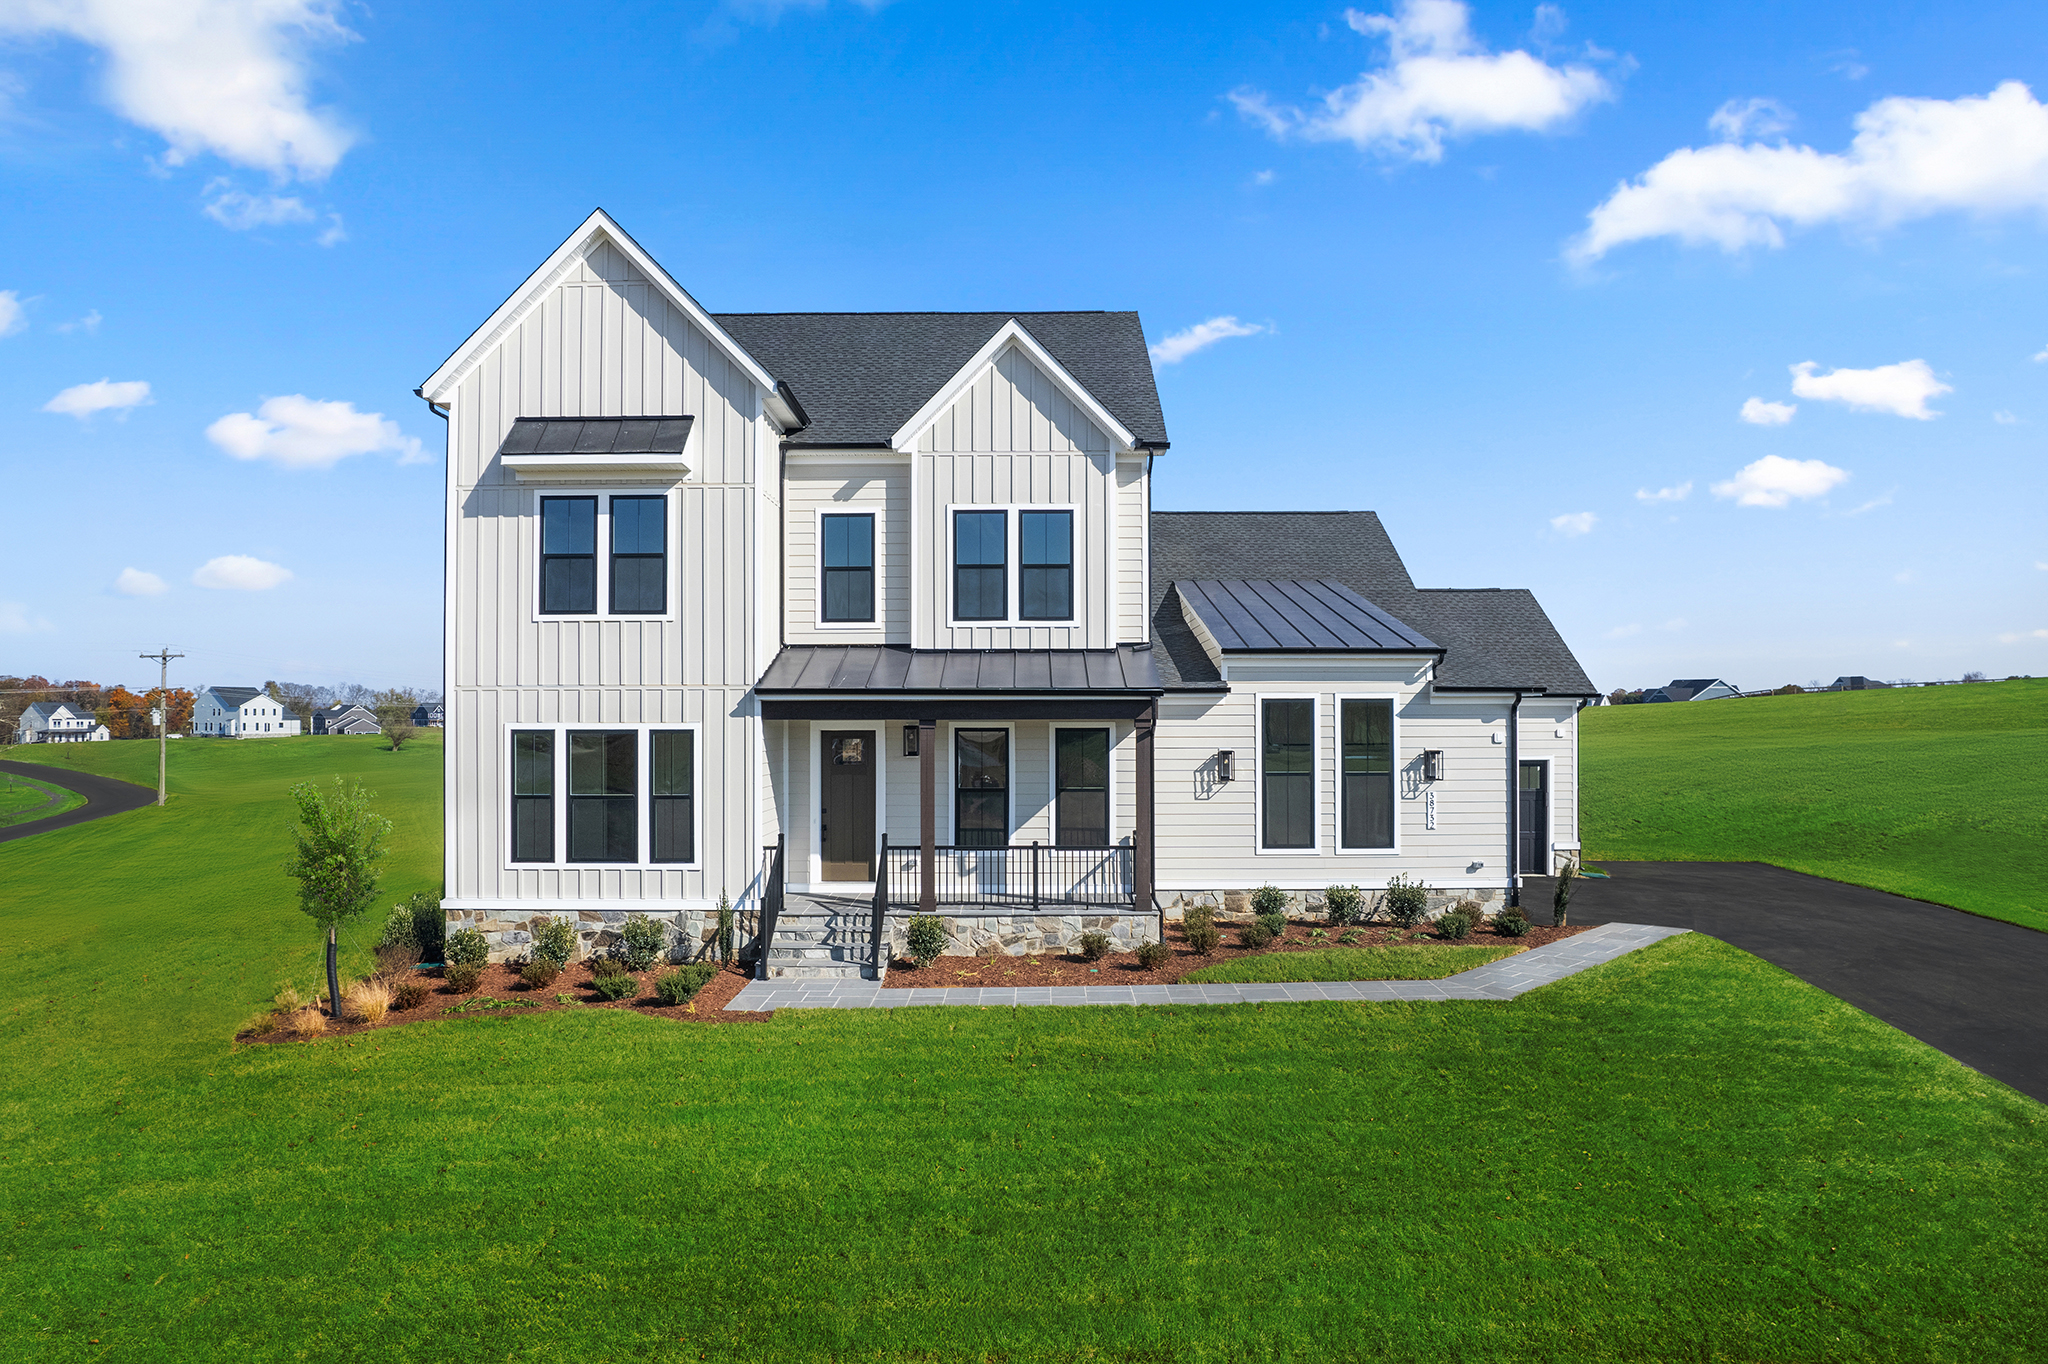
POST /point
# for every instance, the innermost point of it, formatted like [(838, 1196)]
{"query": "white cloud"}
[(1774, 481), (1757, 412), (1911, 158), (240, 573), (2015, 636), (2040, 356), (1171, 350), (16, 620), (136, 582), (1264, 177), (1902, 389), (1872, 505), (333, 234), (89, 324), (13, 318), (303, 433), (242, 211), (1439, 82), (2004, 418), (1674, 494), (82, 400), (222, 76), (1741, 119), (1573, 523), (1624, 631)]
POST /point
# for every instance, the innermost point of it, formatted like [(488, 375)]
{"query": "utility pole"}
[(163, 713)]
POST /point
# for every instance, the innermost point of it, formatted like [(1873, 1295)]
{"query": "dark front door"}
[(1535, 798), (846, 806)]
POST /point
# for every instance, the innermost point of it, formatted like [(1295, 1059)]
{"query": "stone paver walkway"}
[(1503, 979)]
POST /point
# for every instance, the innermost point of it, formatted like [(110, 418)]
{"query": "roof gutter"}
[(788, 413)]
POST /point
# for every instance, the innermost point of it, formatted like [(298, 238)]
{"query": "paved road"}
[(103, 796), (1975, 988)]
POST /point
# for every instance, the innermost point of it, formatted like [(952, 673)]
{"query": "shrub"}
[(1094, 946), (1269, 899), (309, 1022), (408, 994), (1317, 933), (1406, 901), (1472, 910), (611, 980), (429, 925), (1343, 903), (554, 941), (642, 942), (539, 972), (398, 929), (367, 1001), (725, 923), (1153, 955), (1561, 902), (464, 976), (396, 960), (1274, 924), (1255, 934), (1197, 916), (1204, 938), (1453, 926), (927, 938), (1511, 923), (467, 947), (681, 986), (1350, 935)]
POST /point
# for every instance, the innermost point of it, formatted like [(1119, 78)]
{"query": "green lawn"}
[(23, 799), (1420, 961), (1682, 1154), (1940, 793)]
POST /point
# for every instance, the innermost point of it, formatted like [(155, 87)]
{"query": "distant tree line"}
[(393, 706), (125, 713)]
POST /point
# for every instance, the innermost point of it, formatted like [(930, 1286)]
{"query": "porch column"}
[(928, 816), (1141, 851)]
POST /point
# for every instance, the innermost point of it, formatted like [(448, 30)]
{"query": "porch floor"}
[(1503, 979)]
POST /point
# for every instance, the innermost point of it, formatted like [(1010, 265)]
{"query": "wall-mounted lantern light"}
[(1226, 759), (910, 741), (1433, 764)]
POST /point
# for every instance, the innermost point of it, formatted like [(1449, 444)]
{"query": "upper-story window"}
[(1045, 565), (981, 565), (849, 567), (628, 533)]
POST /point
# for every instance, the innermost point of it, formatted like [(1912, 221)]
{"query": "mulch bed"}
[(1121, 968), (503, 983)]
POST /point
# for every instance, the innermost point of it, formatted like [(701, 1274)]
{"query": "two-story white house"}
[(241, 713), (854, 615), (58, 722)]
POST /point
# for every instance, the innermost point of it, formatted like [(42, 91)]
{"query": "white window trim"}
[(951, 730), (818, 515), (1337, 770), (815, 864), (604, 495), (1052, 773), (642, 797), (1013, 536), (1259, 848)]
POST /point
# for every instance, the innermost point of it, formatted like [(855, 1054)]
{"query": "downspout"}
[(1515, 803)]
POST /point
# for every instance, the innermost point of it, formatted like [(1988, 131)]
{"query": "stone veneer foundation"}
[(1026, 935), (690, 931), (1235, 905)]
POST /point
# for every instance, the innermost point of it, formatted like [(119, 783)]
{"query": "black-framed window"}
[(568, 556), (849, 565), (1081, 787), (533, 795), (1045, 565), (672, 794), (981, 565), (981, 793), (1366, 773), (604, 822), (639, 556), (1287, 774)]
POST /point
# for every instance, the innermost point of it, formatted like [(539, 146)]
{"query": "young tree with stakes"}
[(337, 845)]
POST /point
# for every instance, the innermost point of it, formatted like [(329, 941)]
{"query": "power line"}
[(163, 658)]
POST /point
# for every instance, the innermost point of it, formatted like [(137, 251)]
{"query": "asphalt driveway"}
[(1975, 988), (103, 796)]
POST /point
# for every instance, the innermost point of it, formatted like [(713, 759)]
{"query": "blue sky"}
[(1509, 276)]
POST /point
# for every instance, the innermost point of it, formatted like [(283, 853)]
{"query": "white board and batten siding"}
[(605, 341), (1209, 830), (1013, 439)]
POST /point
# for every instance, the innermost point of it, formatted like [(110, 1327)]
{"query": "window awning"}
[(883, 681), (571, 447)]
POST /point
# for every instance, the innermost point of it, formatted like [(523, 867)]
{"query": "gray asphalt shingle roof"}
[(860, 376), (237, 697), (1491, 637), (895, 668), (1285, 614)]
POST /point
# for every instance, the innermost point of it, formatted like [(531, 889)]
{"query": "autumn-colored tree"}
[(179, 718), (125, 714)]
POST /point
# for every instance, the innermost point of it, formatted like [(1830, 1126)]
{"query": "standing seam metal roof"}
[(896, 668), (1282, 614)]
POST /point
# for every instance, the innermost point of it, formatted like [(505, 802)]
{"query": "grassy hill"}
[(1939, 793), (1683, 1146)]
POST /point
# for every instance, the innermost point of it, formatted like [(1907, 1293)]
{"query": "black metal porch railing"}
[(1030, 877), (771, 908)]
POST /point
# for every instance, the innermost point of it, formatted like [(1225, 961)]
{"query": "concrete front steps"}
[(823, 940)]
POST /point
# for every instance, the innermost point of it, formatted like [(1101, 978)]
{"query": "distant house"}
[(1691, 689), (241, 713), (1857, 684), (346, 720), (59, 722), (433, 715)]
